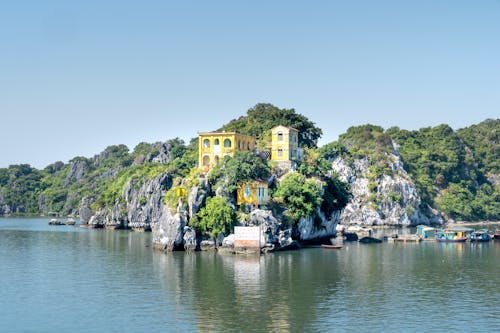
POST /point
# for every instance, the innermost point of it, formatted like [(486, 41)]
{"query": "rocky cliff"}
[(391, 199), (140, 205)]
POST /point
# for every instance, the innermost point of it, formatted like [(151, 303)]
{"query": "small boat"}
[(480, 236), (496, 236), (453, 235), (335, 247)]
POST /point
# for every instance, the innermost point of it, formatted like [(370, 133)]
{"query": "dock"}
[(405, 238)]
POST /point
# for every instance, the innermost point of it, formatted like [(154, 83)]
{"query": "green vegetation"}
[(215, 218), (243, 166), (300, 196), (450, 169), (456, 172), (263, 117)]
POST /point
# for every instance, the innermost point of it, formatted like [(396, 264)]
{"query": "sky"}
[(78, 76)]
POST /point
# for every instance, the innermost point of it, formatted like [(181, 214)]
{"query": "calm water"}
[(68, 279)]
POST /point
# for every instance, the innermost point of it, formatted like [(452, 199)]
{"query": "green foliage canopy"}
[(264, 116), (301, 196), (215, 218)]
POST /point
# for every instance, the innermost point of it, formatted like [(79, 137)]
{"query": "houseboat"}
[(496, 236), (425, 232), (453, 235), (481, 235)]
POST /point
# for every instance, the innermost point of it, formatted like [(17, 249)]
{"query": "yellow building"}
[(253, 193), (285, 144), (214, 146)]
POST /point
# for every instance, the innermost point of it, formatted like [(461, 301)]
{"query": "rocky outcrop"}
[(310, 229), (196, 198), (168, 232), (77, 169), (85, 211), (190, 243), (144, 203), (140, 205), (389, 200), (4, 208)]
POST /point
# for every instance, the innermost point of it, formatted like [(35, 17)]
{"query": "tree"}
[(215, 218), (264, 116), (299, 195), (243, 166)]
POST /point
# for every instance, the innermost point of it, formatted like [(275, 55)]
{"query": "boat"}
[(496, 236), (334, 247), (425, 232), (481, 235), (453, 235)]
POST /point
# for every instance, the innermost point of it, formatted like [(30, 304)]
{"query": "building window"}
[(216, 142), (206, 160), (280, 152), (206, 143), (227, 143), (280, 136)]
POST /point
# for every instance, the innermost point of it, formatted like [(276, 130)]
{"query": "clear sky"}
[(78, 76)]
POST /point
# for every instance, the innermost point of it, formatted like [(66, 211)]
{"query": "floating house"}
[(456, 234), (425, 232), (214, 146)]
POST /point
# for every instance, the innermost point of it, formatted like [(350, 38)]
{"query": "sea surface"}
[(71, 279)]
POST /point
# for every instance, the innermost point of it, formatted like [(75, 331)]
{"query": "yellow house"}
[(285, 144), (214, 146), (255, 193)]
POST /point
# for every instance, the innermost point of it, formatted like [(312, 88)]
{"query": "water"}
[(69, 279)]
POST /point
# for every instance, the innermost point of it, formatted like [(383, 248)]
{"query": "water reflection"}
[(245, 293)]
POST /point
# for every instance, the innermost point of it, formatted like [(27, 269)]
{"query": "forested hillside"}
[(455, 172)]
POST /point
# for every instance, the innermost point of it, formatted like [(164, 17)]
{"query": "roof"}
[(281, 126)]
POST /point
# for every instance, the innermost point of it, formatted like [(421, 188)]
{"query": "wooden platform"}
[(405, 238)]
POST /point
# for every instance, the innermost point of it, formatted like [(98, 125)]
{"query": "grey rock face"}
[(207, 245), (269, 225), (143, 204), (395, 201), (196, 199), (189, 239), (308, 230), (85, 211), (163, 153), (98, 220), (168, 233), (76, 172)]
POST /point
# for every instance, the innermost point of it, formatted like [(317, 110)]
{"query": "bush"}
[(299, 195), (215, 218)]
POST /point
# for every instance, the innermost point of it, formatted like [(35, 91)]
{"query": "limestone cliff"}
[(140, 205), (391, 199)]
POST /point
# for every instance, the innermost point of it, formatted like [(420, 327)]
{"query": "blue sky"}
[(78, 76)]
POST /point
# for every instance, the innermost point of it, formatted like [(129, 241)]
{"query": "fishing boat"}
[(496, 236), (453, 235), (481, 235), (333, 247)]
